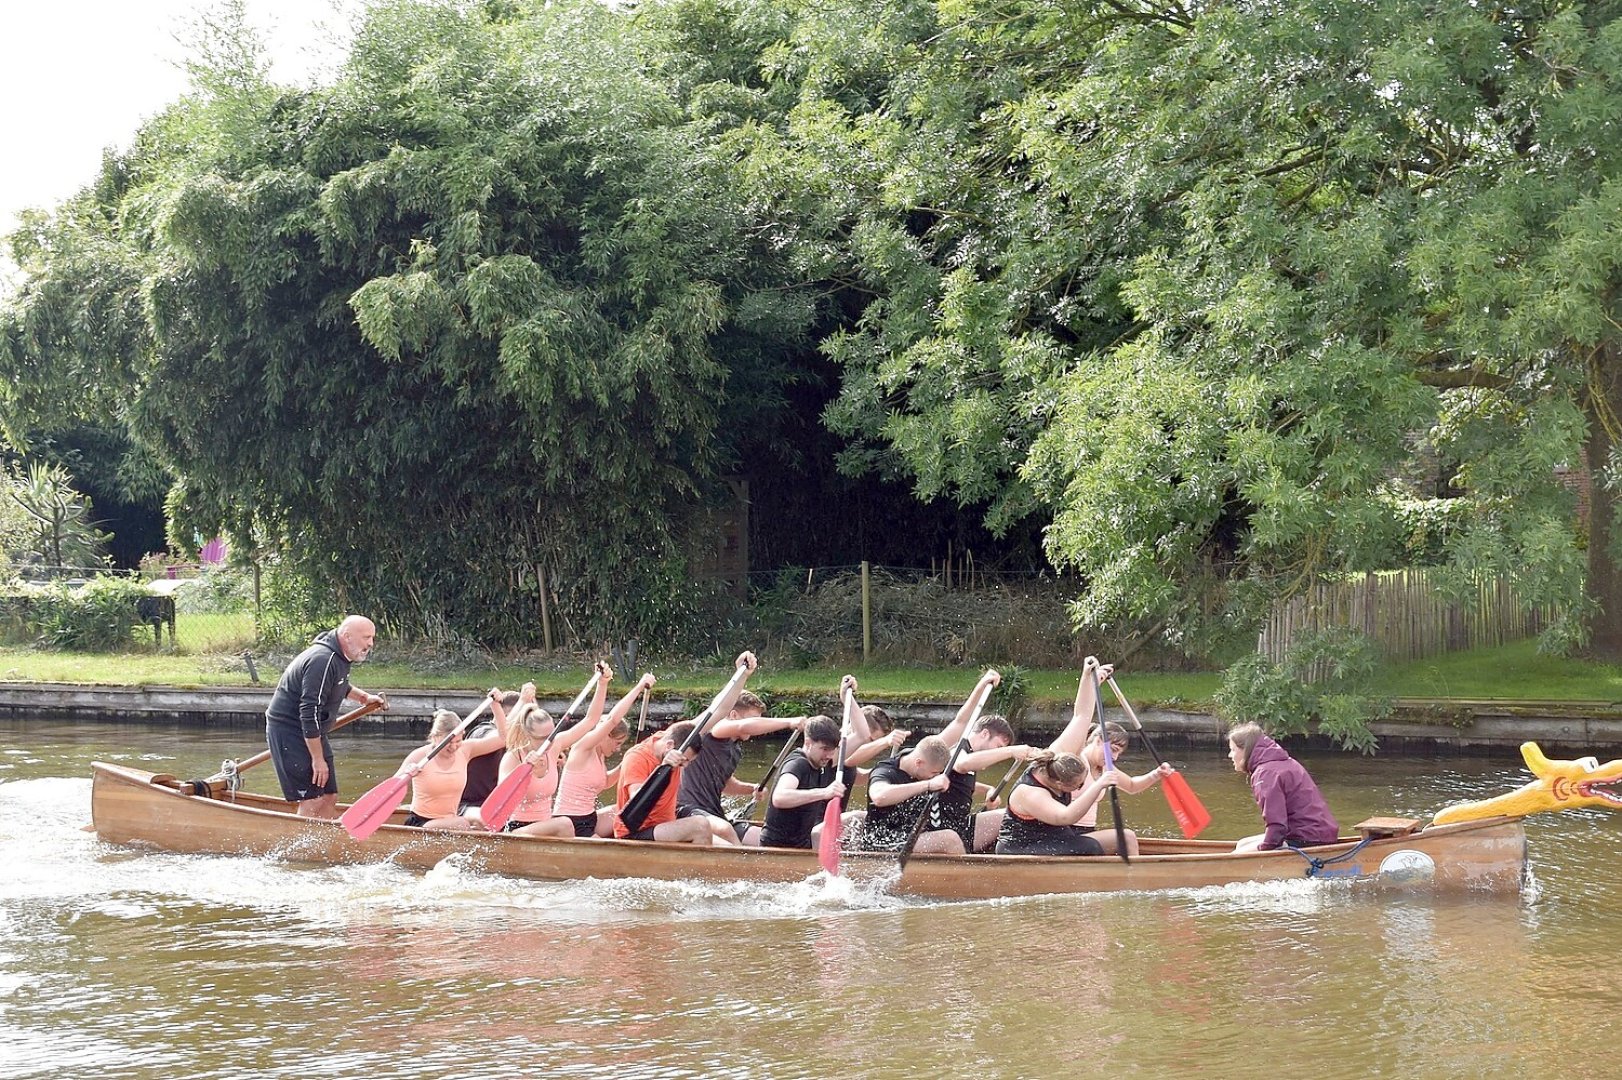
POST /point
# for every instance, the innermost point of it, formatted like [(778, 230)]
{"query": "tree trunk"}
[(1603, 406)]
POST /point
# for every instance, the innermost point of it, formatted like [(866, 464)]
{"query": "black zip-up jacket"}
[(312, 688)]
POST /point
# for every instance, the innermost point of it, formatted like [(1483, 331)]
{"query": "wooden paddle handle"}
[(264, 755)]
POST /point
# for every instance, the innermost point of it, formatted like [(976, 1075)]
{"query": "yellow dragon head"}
[(1560, 785)]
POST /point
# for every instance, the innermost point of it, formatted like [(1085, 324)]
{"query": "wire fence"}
[(947, 613)]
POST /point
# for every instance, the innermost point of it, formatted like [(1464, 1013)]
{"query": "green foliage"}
[(99, 616), (1013, 694), (1326, 683), (216, 591), (59, 531), (469, 313), (293, 607)]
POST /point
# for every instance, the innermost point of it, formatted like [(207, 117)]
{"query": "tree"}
[(1195, 279), (59, 531), (470, 313)]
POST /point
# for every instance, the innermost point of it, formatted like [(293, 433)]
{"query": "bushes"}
[(1326, 681), (100, 616)]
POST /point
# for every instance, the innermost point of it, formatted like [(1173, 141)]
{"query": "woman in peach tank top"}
[(530, 728), (436, 791), (586, 774)]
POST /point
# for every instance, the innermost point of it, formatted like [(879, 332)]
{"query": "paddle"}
[(782, 756), (1109, 763), (1191, 815), (935, 796), (372, 809), (833, 822), (232, 769), (502, 802), (1016, 769), (640, 805)]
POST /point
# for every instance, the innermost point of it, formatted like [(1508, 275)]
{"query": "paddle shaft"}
[(1109, 763), (1016, 769), (1191, 814), (567, 720), (347, 718), (1137, 725), (935, 796)]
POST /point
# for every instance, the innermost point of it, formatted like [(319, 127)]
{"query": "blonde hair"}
[(519, 740), (443, 724), (932, 750)]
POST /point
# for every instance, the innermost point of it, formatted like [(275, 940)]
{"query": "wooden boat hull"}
[(131, 806)]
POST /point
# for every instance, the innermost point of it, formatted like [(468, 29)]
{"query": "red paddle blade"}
[(833, 827), (1186, 807), (372, 809), (500, 805)]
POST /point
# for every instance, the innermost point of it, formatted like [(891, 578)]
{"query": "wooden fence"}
[(1403, 612)]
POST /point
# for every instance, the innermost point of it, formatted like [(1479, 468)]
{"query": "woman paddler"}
[(525, 739), (1082, 739), (436, 791), (1047, 807), (586, 774)]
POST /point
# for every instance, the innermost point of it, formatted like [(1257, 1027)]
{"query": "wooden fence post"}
[(867, 614), (546, 607)]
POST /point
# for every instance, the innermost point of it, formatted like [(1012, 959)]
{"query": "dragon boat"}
[(1478, 847)]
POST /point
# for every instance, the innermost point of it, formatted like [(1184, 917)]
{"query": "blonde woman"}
[(1047, 807), (436, 791), (586, 774), (529, 730)]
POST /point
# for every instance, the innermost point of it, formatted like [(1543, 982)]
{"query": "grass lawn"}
[(1512, 673), (1515, 672)]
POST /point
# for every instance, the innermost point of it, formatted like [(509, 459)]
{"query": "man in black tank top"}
[(720, 748)]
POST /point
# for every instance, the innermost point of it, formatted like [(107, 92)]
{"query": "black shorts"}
[(291, 756), (1065, 840), (739, 827), (415, 820), (643, 834), (584, 824)]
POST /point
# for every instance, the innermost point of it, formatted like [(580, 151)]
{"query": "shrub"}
[(1326, 680), (100, 616)]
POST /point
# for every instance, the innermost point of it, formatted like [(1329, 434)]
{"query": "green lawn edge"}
[(1512, 673)]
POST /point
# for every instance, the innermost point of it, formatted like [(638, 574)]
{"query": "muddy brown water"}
[(122, 962)]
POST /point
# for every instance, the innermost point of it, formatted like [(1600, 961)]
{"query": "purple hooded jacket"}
[(1290, 802)]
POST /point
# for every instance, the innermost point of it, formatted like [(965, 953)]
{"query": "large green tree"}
[(1214, 284), (470, 312)]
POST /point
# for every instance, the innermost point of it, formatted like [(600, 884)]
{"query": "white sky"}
[(80, 75)]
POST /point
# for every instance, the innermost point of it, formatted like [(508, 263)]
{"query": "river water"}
[(119, 962)]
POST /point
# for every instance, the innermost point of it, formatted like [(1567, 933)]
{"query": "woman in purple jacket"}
[(1291, 805)]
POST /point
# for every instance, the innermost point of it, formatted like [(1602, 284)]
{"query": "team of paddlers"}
[(525, 772)]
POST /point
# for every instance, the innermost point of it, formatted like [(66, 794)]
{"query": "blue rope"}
[(1315, 865)]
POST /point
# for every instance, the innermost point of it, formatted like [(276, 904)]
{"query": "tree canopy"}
[(1222, 297)]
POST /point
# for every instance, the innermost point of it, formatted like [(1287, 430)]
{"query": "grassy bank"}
[(1511, 673)]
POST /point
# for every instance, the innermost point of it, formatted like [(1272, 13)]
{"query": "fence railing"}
[(1405, 614)]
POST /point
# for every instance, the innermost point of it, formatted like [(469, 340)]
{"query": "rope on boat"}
[(1315, 865)]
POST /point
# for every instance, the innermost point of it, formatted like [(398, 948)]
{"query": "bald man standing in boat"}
[(302, 710)]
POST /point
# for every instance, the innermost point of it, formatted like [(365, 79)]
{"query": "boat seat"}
[(1379, 828)]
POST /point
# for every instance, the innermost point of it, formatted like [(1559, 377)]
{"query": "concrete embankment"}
[(1476, 727)]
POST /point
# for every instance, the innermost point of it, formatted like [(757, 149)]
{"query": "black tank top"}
[(1030, 832)]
